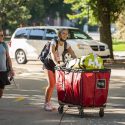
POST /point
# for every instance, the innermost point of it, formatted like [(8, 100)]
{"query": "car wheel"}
[(20, 57)]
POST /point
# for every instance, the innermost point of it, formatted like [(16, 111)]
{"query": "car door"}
[(36, 39), (18, 41)]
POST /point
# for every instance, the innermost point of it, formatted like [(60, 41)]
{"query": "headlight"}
[(80, 46), (83, 46)]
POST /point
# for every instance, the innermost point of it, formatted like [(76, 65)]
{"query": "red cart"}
[(82, 88)]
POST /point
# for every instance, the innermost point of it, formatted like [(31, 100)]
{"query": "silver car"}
[(27, 42)]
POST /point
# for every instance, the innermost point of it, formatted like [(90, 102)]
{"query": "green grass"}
[(118, 45)]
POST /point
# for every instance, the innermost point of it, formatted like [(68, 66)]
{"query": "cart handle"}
[(82, 70)]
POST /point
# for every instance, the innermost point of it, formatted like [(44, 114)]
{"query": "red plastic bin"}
[(82, 88)]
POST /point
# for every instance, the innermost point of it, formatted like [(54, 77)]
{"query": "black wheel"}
[(20, 57), (101, 112), (81, 112), (60, 109)]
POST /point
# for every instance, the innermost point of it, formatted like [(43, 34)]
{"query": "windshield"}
[(78, 34)]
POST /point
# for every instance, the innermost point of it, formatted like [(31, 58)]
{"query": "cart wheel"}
[(81, 112), (101, 112), (60, 109)]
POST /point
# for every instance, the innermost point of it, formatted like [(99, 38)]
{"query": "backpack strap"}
[(65, 46), (56, 44), (64, 52), (4, 45)]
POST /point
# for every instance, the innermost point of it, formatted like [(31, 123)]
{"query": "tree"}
[(37, 10), (102, 11), (55, 8), (13, 12), (120, 24)]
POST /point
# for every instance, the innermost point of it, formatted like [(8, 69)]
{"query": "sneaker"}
[(48, 107)]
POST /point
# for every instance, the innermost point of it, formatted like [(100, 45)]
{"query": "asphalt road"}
[(23, 104)]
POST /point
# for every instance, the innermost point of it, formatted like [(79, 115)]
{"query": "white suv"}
[(27, 42)]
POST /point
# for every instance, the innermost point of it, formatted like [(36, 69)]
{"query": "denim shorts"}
[(49, 64)]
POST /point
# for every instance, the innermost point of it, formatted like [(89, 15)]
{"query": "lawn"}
[(118, 45)]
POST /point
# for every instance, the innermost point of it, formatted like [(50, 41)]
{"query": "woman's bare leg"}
[(50, 87)]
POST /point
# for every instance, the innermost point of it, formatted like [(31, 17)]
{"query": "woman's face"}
[(64, 35)]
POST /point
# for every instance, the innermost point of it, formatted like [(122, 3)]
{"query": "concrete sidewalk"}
[(24, 106)]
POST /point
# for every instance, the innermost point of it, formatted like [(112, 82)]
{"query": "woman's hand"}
[(60, 64)]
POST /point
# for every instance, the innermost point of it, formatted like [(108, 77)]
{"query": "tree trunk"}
[(104, 26)]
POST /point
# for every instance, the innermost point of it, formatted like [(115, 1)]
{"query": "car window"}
[(37, 34), (78, 34), (22, 33), (50, 34)]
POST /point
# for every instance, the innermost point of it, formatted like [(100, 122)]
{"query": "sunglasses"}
[(63, 33)]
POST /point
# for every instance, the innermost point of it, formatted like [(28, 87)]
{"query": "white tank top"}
[(59, 50)]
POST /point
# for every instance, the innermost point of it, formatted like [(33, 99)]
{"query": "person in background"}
[(4, 57), (55, 60)]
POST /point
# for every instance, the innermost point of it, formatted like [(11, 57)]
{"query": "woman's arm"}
[(71, 52)]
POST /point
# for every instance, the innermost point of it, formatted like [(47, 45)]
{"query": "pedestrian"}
[(4, 59), (55, 60)]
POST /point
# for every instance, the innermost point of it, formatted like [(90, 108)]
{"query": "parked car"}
[(27, 42)]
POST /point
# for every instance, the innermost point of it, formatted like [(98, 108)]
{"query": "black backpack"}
[(45, 51)]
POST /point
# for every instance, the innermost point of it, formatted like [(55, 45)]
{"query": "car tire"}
[(20, 57)]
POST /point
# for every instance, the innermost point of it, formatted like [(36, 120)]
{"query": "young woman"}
[(55, 60), (4, 57)]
